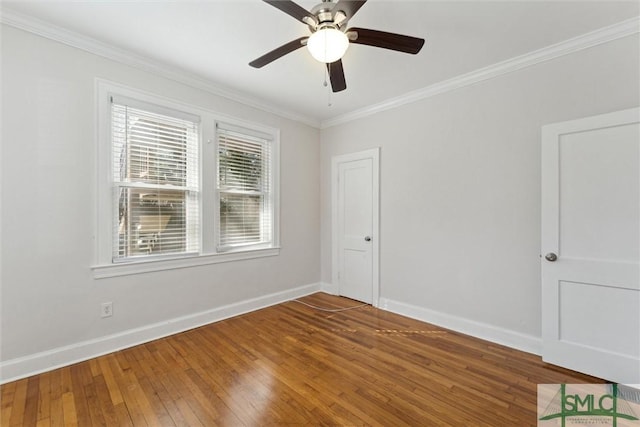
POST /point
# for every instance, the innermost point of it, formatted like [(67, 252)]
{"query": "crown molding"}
[(88, 44), (594, 38), (603, 35)]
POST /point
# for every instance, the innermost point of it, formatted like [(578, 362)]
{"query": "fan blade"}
[(386, 40), (336, 75), (292, 9), (349, 7), (278, 52)]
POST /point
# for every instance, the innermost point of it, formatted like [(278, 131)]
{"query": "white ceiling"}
[(216, 39)]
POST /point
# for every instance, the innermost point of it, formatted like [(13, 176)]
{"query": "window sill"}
[(149, 266)]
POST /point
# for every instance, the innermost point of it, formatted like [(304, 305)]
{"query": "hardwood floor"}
[(293, 365)]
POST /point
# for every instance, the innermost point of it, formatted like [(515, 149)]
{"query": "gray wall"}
[(49, 297), (460, 195), (460, 183)]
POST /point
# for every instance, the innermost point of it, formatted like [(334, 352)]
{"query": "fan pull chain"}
[(326, 77)]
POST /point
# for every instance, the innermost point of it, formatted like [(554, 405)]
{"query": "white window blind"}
[(155, 177), (245, 189)]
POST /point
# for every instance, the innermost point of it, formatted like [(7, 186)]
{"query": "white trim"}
[(162, 264), (615, 118), (88, 44), (594, 38), (104, 267), (104, 89), (374, 155), (502, 336), (33, 364), (272, 136)]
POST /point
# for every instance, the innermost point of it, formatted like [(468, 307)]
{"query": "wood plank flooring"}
[(294, 365)]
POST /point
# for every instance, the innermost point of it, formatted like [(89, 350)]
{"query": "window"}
[(178, 186), (244, 189), (155, 179)]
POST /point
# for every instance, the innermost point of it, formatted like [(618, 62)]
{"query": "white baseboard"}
[(509, 338), (33, 364)]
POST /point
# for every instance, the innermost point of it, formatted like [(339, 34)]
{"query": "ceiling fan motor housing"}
[(325, 17)]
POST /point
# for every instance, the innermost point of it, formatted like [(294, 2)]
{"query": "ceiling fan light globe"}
[(328, 45)]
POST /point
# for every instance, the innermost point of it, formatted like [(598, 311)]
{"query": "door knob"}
[(367, 239), (551, 257)]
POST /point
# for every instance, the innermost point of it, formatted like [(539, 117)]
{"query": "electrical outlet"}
[(106, 309)]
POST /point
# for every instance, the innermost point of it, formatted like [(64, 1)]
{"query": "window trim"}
[(273, 152), (104, 266), (190, 189), (173, 263)]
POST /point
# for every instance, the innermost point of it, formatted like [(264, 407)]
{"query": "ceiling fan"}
[(330, 38)]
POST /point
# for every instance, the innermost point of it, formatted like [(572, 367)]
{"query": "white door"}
[(355, 225), (590, 245)]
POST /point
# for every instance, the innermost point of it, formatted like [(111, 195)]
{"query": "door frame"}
[(374, 155)]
